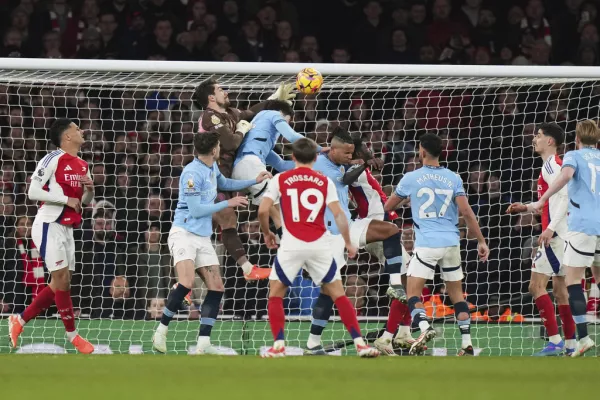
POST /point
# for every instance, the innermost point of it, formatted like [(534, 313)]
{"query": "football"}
[(309, 81)]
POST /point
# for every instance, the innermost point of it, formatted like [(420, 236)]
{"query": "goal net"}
[(140, 123)]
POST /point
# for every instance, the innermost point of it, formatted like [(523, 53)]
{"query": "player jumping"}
[(369, 199), (63, 183), (580, 170), (436, 195), (304, 195), (231, 124), (189, 239), (548, 260), (362, 232), (256, 151)]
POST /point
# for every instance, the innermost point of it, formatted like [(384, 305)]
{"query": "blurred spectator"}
[(399, 51), (368, 33), (253, 47), (153, 266), (309, 49), (443, 28), (285, 38)]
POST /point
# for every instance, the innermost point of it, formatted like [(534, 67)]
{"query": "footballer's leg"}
[(403, 338), (55, 243), (277, 291), (462, 315), (211, 275), (545, 306), (579, 255), (389, 234), (176, 299), (347, 312), (227, 220), (561, 295)]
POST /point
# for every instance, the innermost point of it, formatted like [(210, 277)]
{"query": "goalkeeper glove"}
[(284, 92), (243, 127)]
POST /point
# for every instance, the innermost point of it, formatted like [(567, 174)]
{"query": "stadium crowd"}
[(139, 141)]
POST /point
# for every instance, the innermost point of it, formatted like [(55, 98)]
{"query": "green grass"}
[(176, 377)]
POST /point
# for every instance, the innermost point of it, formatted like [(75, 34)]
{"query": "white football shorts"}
[(185, 245), (249, 167), (358, 231), (582, 250), (425, 259), (55, 243), (548, 260), (317, 258)]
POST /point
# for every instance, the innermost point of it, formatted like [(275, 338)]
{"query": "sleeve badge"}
[(215, 120)]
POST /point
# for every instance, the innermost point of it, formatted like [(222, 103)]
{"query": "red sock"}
[(276, 317), (65, 309), (396, 315), (547, 313), (348, 316), (568, 323), (42, 301), (407, 320)]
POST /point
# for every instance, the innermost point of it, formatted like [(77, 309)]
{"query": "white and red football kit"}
[(56, 178), (548, 260), (303, 195), (370, 198)]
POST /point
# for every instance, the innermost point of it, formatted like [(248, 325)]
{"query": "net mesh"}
[(140, 128)]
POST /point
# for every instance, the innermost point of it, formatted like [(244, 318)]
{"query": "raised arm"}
[(198, 209), (233, 185)]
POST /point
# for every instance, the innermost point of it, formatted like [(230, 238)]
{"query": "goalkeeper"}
[(232, 125)]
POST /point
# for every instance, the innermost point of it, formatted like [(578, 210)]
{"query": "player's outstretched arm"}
[(284, 92), (342, 224), (395, 202), (471, 220), (232, 185), (275, 161), (565, 176), (353, 174)]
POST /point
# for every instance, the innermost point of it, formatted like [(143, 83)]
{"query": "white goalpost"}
[(140, 123)]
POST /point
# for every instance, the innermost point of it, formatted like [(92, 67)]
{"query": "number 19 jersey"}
[(303, 196), (432, 192)]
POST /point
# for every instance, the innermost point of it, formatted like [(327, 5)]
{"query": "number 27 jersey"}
[(432, 192), (303, 196)]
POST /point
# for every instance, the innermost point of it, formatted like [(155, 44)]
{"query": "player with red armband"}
[(62, 181), (369, 199), (304, 194)]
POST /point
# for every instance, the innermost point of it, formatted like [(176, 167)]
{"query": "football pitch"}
[(222, 377)]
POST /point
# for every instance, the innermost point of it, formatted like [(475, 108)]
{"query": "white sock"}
[(162, 329), (466, 340), (570, 343), (313, 341), (359, 341), (71, 336), (247, 267), (203, 342), (555, 339), (21, 320), (279, 344), (403, 331), (387, 335), (424, 325), (395, 279)]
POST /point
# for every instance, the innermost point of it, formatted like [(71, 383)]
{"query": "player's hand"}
[(87, 182), (546, 237), (516, 208), (376, 163), (75, 204), (352, 250), (284, 92), (270, 240), (237, 201), (263, 176), (243, 127), (483, 251), (535, 207)]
